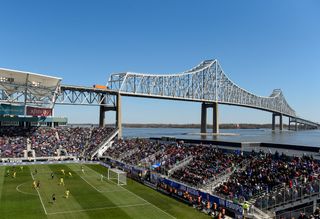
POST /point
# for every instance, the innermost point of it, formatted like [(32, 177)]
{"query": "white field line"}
[(26, 193), (45, 211), (147, 201), (95, 209), (115, 190), (90, 184)]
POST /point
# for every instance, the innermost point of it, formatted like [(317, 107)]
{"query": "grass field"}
[(89, 196)]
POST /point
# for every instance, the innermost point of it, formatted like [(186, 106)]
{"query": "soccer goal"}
[(119, 176)]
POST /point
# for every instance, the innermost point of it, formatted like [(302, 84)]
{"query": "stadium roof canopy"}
[(28, 88)]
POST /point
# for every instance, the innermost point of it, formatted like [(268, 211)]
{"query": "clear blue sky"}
[(261, 45)]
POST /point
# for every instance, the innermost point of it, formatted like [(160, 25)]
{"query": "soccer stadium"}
[(168, 109), (50, 169)]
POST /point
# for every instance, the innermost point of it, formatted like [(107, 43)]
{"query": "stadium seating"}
[(46, 141)]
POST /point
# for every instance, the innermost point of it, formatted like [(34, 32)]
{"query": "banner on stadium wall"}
[(7, 109), (205, 196), (37, 111), (236, 208)]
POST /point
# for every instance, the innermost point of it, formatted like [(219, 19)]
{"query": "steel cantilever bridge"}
[(206, 83)]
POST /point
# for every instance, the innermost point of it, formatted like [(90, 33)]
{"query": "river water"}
[(308, 138)]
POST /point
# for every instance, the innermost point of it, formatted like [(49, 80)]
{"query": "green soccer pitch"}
[(90, 197)]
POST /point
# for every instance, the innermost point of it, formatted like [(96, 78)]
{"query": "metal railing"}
[(257, 213), (296, 213), (103, 146), (278, 199), (180, 165)]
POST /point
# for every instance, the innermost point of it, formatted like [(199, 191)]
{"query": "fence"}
[(296, 213), (280, 198)]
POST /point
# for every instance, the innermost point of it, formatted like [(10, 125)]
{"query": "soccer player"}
[(67, 193), (101, 177), (52, 175), (61, 181), (21, 168), (70, 174), (35, 171), (8, 172), (62, 170), (82, 169), (38, 184), (14, 174), (34, 184), (53, 198)]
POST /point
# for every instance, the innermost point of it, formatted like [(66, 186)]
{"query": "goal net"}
[(118, 176)]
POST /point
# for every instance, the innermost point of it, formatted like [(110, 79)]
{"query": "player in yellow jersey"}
[(70, 174), (21, 168), (34, 184), (61, 181), (67, 193), (62, 170), (14, 174)]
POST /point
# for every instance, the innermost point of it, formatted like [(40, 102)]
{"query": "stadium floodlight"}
[(118, 175)]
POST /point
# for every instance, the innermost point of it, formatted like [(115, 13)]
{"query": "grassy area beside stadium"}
[(90, 197)]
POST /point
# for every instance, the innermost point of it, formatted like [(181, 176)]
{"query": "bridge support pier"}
[(119, 116), (273, 122), (215, 117), (102, 113), (103, 109), (203, 118), (289, 124), (274, 115), (215, 121)]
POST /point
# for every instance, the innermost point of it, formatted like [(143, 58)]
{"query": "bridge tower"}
[(215, 122), (274, 115)]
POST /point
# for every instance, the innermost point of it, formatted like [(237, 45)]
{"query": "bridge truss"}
[(206, 82), (80, 95)]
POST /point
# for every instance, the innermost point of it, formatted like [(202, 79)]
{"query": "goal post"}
[(119, 176)]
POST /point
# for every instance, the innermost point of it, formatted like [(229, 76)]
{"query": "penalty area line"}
[(45, 211), (96, 209), (90, 184), (100, 191), (147, 202)]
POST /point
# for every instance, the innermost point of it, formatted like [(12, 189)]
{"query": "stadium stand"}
[(46, 141), (260, 181)]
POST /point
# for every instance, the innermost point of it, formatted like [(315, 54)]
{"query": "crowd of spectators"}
[(145, 152), (46, 141), (266, 172), (251, 174), (207, 163), (13, 141)]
